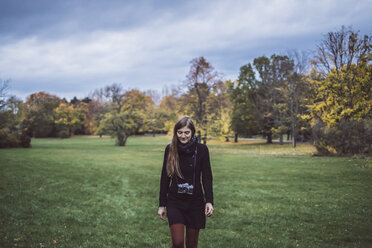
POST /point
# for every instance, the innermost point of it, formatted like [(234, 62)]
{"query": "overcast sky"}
[(70, 47)]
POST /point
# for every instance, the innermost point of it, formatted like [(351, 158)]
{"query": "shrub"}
[(63, 133), (348, 137), (25, 140), (10, 138)]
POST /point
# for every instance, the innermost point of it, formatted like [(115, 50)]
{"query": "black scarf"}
[(189, 147)]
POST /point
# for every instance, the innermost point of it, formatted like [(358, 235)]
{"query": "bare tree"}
[(341, 48), (4, 86), (297, 87), (111, 93), (200, 80), (154, 95)]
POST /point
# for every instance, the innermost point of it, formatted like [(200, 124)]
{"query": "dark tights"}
[(177, 233)]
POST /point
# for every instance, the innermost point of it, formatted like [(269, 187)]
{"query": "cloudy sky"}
[(71, 47)]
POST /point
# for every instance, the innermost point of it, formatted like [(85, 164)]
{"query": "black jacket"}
[(202, 169)]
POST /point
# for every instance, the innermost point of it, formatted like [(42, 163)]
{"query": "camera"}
[(185, 188)]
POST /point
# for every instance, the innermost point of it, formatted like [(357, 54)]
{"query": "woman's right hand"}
[(161, 213)]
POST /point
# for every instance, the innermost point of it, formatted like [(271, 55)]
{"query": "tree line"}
[(323, 97)]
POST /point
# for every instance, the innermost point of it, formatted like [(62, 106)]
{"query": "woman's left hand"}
[(208, 209)]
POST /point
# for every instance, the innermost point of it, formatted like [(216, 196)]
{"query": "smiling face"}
[(184, 135)]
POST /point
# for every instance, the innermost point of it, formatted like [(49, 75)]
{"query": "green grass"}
[(86, 192)]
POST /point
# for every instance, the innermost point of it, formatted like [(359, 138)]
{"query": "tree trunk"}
[(293, 120), (200, 104), (236, 138), (122, 139), (269, 138), (281, 138), (205, 138)]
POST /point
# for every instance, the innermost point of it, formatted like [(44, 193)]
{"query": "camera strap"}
[(193, 178)]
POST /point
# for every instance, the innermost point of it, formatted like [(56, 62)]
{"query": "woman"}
[(181, 196)]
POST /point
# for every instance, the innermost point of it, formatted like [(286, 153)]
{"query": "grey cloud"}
[(76, 46), (58, 18)]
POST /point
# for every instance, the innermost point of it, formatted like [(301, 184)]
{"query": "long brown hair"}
[(173, 159)]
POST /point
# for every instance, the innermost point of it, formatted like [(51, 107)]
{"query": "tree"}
[(341, 49), (94, 110), (4, 86), (219, 108), (68, 118), (135, 101), (168, 111), (39, 115), (243, 95), (12, 133), (120, 125), (298, 91), (124, 112), (112, 93), (342, 92), (199, 81), (270, 103)]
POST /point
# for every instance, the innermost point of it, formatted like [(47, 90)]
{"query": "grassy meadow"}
[(86, 192)]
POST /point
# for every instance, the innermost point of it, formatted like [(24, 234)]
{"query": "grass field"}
[(86, 192)]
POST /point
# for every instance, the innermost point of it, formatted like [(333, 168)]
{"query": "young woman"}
[(182, 198)]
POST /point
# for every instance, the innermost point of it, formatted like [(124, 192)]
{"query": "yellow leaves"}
[(346, 112), (304, 117), (68, 116), (343, 94)]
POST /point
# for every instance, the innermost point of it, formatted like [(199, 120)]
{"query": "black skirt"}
[(186, 209)]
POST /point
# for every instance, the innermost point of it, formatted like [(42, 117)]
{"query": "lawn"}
[(86, 192)]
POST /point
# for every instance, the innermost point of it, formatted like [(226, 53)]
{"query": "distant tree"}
[(74, 100), (12, 133), (168, 111), (4, 86), (243, 95), (135, 101), (124, 113), (298, 93), (112, 94), (115, 93), (199, 81), (343, 83), (86, 100), (219, 108), (95, 111), (39, 115), (338, 50), (68, 118), (270, 104), (120, 125), (154, 95), (342, 93)]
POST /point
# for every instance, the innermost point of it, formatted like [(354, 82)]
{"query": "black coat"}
[(168, 185)]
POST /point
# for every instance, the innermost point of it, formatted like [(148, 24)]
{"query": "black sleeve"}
[(207, 177), (164, 181)]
